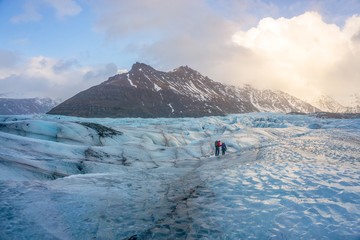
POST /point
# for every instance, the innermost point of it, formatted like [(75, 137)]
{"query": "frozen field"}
[(283, 177)]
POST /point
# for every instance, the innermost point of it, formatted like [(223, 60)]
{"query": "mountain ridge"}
[(21, 106), (328, 104), (182, 92)]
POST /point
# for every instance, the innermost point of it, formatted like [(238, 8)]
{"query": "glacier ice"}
[(284, 177)]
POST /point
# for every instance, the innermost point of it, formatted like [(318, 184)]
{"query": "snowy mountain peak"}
[(141, 67), (183, 92), (185, 70), (14, 106), (328, 104), (355, 100), (326, 99)]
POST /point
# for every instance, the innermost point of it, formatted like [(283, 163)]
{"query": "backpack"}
[(218, 144)]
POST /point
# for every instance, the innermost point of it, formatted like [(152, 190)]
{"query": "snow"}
[(172, 109), (131, 83), (156, 87), (283, 177), (328, 104), (199, 94)]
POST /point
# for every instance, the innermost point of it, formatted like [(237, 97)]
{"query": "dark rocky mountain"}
[(183, 92), (13, 106)]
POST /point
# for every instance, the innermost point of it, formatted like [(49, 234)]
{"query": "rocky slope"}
[(183, 92)]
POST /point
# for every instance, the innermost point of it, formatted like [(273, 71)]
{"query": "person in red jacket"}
[(217, 147)]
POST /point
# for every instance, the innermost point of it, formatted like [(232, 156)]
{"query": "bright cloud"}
[(44, 76), (300, 47), (304, 55)]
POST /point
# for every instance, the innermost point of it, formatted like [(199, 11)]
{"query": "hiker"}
[(217, 147), (223, 148)]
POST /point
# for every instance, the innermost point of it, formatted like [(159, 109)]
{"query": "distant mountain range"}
[(328, 104), (12, 106), (183, 92)]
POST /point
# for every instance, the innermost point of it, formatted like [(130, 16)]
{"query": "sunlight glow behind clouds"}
[(302, 55), (300, 47), (301, 52)]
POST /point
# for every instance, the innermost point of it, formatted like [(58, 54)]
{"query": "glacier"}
[(283, 177)]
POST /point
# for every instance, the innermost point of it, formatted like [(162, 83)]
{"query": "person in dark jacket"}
[(217, 147), (223, 148)]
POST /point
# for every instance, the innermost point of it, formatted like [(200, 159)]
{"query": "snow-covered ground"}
[(283, 177)]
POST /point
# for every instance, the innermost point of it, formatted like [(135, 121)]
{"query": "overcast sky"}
[(57, 48)]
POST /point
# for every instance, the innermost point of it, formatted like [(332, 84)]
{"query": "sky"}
[(57, 48)]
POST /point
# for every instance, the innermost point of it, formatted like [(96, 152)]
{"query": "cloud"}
[(33, 10), (30, 13), (65, 65), (167, 33), (303, 54), (149, 20), (64, 8), (101, 72), (232, 41), (42, 76), (19, 85)]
